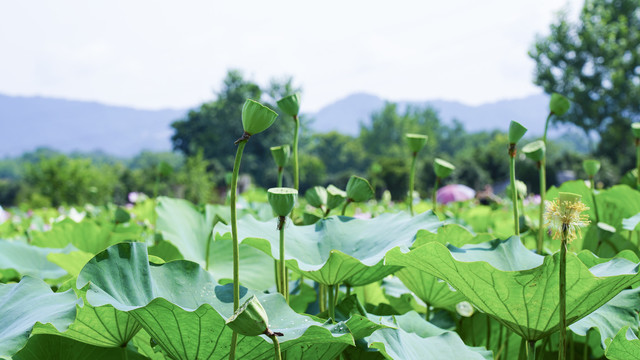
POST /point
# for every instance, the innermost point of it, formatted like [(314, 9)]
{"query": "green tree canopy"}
[(596, 63)]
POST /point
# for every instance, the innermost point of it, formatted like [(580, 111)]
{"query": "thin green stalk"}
[(562, 347), (543, 348), (332, 305), (531, 350), (426, 312), (234, 236), (344, 208), (296, 181), (593, 196), (435, 191), (488, 332), (348, 290), (585, 349), (412, 174), (638, 163), (276, 347), (514, 191), (276, 271), (546, 127), (280, 174), (543, 191), (283, 267), (322, 297)]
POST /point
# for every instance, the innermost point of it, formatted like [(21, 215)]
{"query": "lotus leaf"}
[(57, 347), (625, 345), (24, 259)]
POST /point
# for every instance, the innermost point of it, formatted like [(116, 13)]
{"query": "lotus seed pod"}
[(442, 168), (558, 104), (335, 197), (290, 105), (282, 200), (569, 197), (591, 167), (250, 319), (281, 155), (534, 150), (316, 196), (256, 117), (359, 189), (516, 132), (416, 141), (635, 129)]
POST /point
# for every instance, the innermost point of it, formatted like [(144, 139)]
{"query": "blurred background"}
[(102, 99)]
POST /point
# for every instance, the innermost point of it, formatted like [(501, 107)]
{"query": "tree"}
[(596, 63)]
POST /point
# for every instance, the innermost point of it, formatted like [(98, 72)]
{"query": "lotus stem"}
[(332, 305), (426, 312), (514, 190), (531, 349), (433, 196), (562, 347), (593, 196), (276, 271), (344, 208), (546, 127), (283, 268), (585, 349), (234, 236), (411, 181), (296, 179), (280, 174), (276, 347), (488, 332), (543, 193)]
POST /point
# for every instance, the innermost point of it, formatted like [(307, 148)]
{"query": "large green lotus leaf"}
[(48, 346), (415, 338), (631, 224), (624, 346), (400, 298), (429, 289), (505, 280), (87, 236), (24, 304), (453, 234), (617, 203), (24, 259), (338, 249), (619, 312), (71, 262), (183, 310), (190, 230)]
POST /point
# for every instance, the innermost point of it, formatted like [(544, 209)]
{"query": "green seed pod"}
[(568, 197), (281, 154), (316, 196), (290, 105), (591, 167), (282, 200), (359, 189), (250, 319), (558, 104), (516, 132), (256, 117), (534, 150), (416, 141), (442, 168), (635, 129), (335, 197)]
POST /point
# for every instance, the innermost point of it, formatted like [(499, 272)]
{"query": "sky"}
[(174, 54)]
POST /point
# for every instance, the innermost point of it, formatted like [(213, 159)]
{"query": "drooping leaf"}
[(72, 262), (184, 311), (624, 346), (617, 203), (338, 249), (24, 259), (47, 346), (453, 234), (26, 303), (430, 289), (631, 223), (518, 288)]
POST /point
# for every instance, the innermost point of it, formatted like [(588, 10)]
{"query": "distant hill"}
[(27, 123), (66, 125), (345, 115)]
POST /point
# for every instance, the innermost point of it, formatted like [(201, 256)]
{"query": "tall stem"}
[(562, 349), (412, 174), (514, 190), (531, 349), (433, 196), (283, 267), (276, 347), (332, 305), (593, 196), (543, 193), (344, 208), (296, 180), (638, 163), (546, 127), (426, 312), (280, 174), (234, 236)]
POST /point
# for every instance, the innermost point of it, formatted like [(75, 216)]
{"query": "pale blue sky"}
[(159, 54)]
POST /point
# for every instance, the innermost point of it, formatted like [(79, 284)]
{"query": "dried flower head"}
[(564, 216)]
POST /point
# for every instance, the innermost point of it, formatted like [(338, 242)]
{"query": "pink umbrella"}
[(454, 192)]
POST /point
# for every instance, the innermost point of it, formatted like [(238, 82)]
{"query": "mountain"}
[(27, 123), (345, 115)]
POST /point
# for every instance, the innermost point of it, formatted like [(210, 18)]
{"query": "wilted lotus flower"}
[(564, 216)]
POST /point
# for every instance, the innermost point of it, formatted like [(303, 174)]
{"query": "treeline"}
[(198, 169)]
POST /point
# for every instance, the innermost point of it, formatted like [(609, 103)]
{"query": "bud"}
[(359, 189), (535, 150), (281, 155), (558, 104), (316, 196), (635, 129), (335, 197), (591, 167), (416, 141), (256, 117), (442, 168), (250, 319), (516, 132), (282, 200), (290, 105)]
